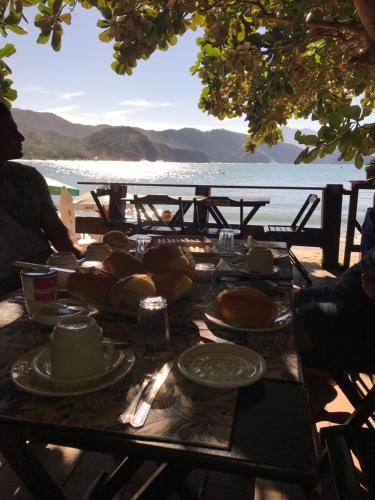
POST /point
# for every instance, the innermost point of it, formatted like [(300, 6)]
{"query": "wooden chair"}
[(128, 225), (296, 233), (356, 436), (299, 223), (151, 220)]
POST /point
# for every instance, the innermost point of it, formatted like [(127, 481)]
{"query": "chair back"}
[(359, 389), (305, 212), (146, 210)]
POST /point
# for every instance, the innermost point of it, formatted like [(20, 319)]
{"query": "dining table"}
[(259, 430)]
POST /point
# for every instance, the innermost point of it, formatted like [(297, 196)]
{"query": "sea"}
[(284, 204)]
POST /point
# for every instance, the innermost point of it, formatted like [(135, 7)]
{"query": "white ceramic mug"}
[(78, 349), (260, 260)]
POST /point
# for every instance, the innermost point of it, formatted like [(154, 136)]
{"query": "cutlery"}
[(124, 418), (41, 267), (138, 419)]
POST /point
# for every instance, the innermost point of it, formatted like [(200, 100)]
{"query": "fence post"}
[(202, 215), (331, 225), (116, 192)]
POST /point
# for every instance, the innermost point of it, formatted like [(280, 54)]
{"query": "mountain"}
[(119, 143), (49, 136), (49, 122)]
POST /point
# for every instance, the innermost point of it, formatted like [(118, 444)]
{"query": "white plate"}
[(223, 366), (282, 319), (41, 365), (51, 313), (23, 376)]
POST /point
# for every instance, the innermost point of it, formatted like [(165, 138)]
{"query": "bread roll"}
[(117, 240), (166, 259), (247, 307), (172, 286), (91, 284), (127, 292), (122, 264)]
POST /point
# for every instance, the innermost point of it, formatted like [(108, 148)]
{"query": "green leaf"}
[(309, 140), (56, 40), (43, 38), (173, 40), (105, 36), (16, 29), (66, 18), (335, 119), (302, 155), (358, 162), (354, 112), (103, 23), (311, 155), (7, 51)]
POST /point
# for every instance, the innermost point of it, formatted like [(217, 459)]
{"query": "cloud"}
[(60, 110), (68, 95), (143, 103), (37, 90)]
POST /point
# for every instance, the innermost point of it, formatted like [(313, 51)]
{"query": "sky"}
[(78, 84)]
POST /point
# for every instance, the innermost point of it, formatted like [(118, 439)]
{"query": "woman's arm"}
[(56, 232)]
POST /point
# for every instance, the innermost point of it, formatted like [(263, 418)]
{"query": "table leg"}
[(28, 468), (218, 216), (177, 219), (250, 215)]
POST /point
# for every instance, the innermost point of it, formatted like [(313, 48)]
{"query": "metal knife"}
[(138, 419), (41, 267)]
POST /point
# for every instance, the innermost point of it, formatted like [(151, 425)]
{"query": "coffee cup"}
[(260, 260), (78, 349)]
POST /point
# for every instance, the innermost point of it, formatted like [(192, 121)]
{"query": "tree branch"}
[(366, 14), (339, 27)]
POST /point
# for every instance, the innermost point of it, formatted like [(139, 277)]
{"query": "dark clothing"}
[(340, 320), (24, 196)]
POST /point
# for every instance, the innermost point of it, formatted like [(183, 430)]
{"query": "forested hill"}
[(49, 136)]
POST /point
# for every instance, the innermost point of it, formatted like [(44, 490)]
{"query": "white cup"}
[(78, 349), (260, 260), (97, 251), (62, 259)]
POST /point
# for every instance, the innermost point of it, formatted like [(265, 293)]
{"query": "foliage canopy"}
[(267, 60)]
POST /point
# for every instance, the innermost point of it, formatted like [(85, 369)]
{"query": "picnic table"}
[(261, 430)]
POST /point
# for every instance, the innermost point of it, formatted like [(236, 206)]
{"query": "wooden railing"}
[(327, 236)]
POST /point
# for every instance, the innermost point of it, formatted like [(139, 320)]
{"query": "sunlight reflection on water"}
[(282, 209)]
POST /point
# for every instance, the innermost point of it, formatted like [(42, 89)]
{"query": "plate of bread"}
[(125, 280), (247, 309)]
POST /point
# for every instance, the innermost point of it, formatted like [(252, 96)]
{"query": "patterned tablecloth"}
[(182, 411)]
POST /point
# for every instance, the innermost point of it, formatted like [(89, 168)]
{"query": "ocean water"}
[(284, 203)]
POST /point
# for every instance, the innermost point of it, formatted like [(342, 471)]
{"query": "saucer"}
[(282, 319), (41, 365), (223, 366), (24, 377), (51, 313)]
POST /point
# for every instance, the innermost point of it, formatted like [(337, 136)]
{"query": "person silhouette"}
[(29, 223)]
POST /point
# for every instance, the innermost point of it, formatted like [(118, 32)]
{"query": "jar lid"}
[(38, 274)]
